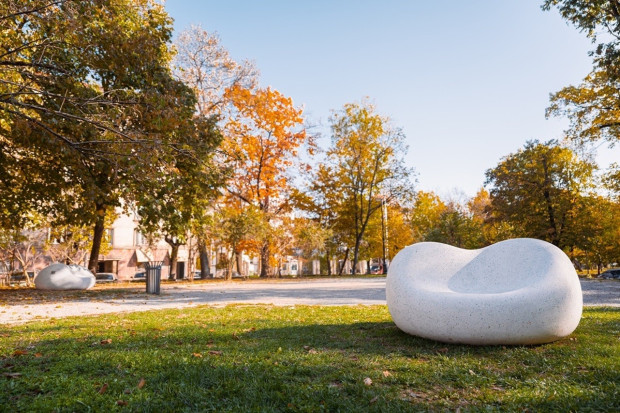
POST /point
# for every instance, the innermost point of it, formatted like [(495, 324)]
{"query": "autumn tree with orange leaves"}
[(263, 138)]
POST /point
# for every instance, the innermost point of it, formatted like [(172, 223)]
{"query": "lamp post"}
[(384, 233)]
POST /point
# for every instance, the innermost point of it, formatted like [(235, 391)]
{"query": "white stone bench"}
[(519, 291), (64, 277)]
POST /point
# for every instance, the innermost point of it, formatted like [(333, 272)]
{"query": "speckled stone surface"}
[(64, 277), (518, 291)]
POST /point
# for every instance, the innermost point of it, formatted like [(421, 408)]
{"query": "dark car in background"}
[(18, 279), (611, 274), (139, 276), (105, 277), (376, 269)]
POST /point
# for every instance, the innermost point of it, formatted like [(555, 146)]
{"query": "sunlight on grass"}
[(263, 358)]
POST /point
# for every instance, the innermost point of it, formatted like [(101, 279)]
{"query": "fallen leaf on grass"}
[(312, 351), (443, 350), (141, 383), (37, 355), (410, 394), (374, 399), (197, 355), (215, 352), (11, 375), (386, 373), (367, 381), (103, 388), (121, 403), (106, 341)]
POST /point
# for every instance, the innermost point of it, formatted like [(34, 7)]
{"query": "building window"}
[(138, 238), (110, 236)]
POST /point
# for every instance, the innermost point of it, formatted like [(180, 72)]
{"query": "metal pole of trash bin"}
[(153, 276)]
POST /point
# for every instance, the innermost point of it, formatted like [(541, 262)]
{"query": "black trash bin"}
[(153, 276)]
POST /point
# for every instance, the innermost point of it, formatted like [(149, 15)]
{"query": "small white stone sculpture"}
[(519, 291), (64, 277)]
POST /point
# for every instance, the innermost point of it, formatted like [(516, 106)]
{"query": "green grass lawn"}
[(304, 358)]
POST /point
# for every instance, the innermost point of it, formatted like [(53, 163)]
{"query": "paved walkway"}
[(32, 305)]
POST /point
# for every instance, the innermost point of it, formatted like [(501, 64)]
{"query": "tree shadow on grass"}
[(254, 366)]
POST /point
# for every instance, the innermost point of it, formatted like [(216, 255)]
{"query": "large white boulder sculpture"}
[(519, 291), (64, 277)]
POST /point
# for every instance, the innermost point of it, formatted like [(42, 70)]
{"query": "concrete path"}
[(34, 305)]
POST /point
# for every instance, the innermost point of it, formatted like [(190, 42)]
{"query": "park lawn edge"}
[(299, 358)]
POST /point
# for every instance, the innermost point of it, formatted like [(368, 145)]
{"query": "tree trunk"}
[(174, 255), (329, 264), (264, 260), (230, 264), (25, 274), (239, 263), (205, 265), (93, 260), (555, 237), (367, 266), (174, 258), (356, 253), (344, 261)]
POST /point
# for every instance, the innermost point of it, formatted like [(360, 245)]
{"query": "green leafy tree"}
[(456, 227), (180, 198), (51, 56), (310, 238), (239, 231), (88, 87), (537, 190), (596, 235), (593, 106)]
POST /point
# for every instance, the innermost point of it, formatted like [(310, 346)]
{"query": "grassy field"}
[(263, 358)]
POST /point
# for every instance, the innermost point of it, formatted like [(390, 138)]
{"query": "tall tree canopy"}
[(205, 65), (262, 138), (366, 160), (593, 106), (89, 107), (537, 190)]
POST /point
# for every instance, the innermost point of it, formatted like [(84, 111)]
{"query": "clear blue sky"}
[(467, 81)]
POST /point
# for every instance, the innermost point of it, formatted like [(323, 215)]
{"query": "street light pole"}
[(384, 233)]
